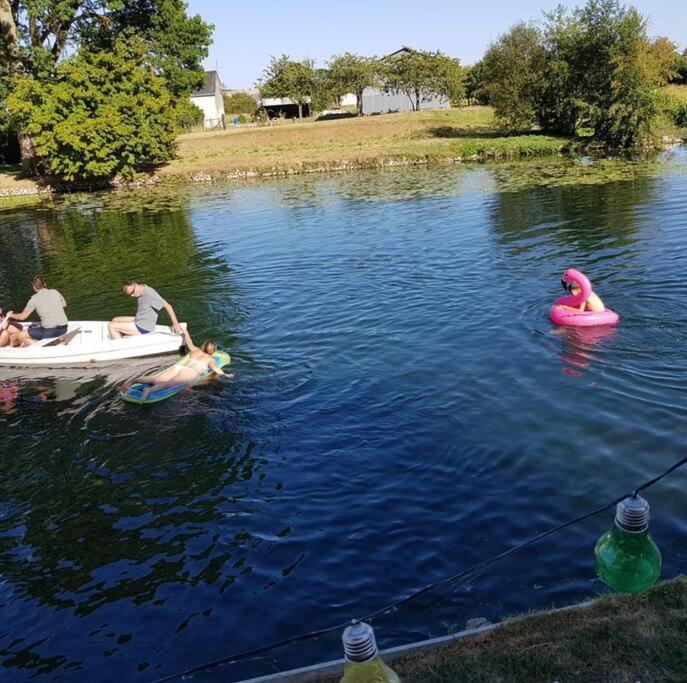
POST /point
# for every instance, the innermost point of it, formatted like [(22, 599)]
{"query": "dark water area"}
[(402, 408)]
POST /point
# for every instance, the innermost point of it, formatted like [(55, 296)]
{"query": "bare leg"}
[(4, 338), (164, 376), (122, 325), (183, 376), (25, 339)]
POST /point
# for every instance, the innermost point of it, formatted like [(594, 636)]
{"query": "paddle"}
[(64, 339)]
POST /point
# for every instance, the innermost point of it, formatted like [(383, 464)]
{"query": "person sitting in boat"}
[(49, 305), (149, 305), (593, 302), (5, 326), (182, 372)]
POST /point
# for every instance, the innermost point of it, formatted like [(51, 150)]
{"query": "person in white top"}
[(49, 305)]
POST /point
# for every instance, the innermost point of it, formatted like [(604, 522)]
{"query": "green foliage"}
[(240, 103), (594, 67), (175, 44), (187, 114), (178, 43), (421, 74), (512, 68), (474, 84), (351, 73), (680, 115), (680, 69), (285, 77), (105, 112)]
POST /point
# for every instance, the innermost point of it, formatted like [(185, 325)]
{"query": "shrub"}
[(103, 114)]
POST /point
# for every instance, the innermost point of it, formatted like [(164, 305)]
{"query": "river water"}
[(401, 409)]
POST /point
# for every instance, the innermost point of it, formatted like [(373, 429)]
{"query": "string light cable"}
[(448, 581)]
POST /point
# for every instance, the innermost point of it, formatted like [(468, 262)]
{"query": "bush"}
[(188, 114), (680, 115), (239, 103), (103, 114)]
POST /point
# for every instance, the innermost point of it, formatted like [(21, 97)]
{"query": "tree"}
[(285, 77), (176, 44), (104, 112), (620, 71), (420, 75), (352, 73), (512, 69), (594, 67), (240, 103), (474, 84)]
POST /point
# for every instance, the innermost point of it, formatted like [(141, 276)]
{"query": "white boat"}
[(87, 342)]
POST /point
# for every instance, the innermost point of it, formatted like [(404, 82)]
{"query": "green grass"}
[(408, 137), (617, 639)]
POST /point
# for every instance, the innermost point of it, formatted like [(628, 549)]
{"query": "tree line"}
[(96, 88), (593, 68), (416, 73)]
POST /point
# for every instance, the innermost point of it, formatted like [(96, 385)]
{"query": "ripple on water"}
[(402, 409)]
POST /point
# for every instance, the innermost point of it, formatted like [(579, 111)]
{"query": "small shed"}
[(209, 98)]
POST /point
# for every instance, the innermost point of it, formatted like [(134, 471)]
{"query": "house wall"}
[(380, 102), (212, 112)]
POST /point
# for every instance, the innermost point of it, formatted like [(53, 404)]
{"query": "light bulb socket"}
[(632, 515), (359, 642)]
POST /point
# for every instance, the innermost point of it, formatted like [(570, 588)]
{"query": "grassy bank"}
[(618, 638), (408, 137), (339, 144), (468, 133)]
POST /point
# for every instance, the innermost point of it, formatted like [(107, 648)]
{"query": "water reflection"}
[(392, 347), (581, 347)]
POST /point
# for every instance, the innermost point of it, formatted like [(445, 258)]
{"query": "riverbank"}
[(615, 638), (348, 143)]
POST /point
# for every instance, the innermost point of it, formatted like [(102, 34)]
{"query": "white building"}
[(209, 98)]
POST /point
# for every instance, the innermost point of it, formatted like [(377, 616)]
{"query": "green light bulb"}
[(626, 557), (363, 664)]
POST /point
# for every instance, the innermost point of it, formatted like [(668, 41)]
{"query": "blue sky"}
[(247, 33)]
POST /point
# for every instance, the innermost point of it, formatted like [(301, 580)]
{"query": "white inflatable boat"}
[(87, 342)]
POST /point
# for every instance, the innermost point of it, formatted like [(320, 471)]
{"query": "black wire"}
[(430, 586)]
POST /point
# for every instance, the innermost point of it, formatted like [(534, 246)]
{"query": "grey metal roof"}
[(210, 86)]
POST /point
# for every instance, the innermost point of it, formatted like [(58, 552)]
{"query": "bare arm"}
[(215, 368), (173, 317), (19, 316), (189, 342)]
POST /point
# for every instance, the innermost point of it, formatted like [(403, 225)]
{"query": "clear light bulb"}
[(626, 557), (363, 664)]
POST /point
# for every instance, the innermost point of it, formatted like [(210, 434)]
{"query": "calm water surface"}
[(402, 409)]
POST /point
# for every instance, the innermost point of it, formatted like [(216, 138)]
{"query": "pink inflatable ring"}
[(565, 316)]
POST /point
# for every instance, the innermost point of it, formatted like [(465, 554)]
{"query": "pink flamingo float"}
[(562, 315)]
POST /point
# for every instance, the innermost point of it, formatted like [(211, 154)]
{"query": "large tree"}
[(104, 113), (421, 75), (43, 31), (287, 78), (351, 73), (594, 67), (512, 70)]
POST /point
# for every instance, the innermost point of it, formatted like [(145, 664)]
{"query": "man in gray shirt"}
[(49, 304), (149, 305)]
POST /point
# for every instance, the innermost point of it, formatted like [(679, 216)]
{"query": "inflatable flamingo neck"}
[(572, 275)]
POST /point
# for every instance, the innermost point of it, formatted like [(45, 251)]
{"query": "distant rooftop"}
[(212, 81)]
